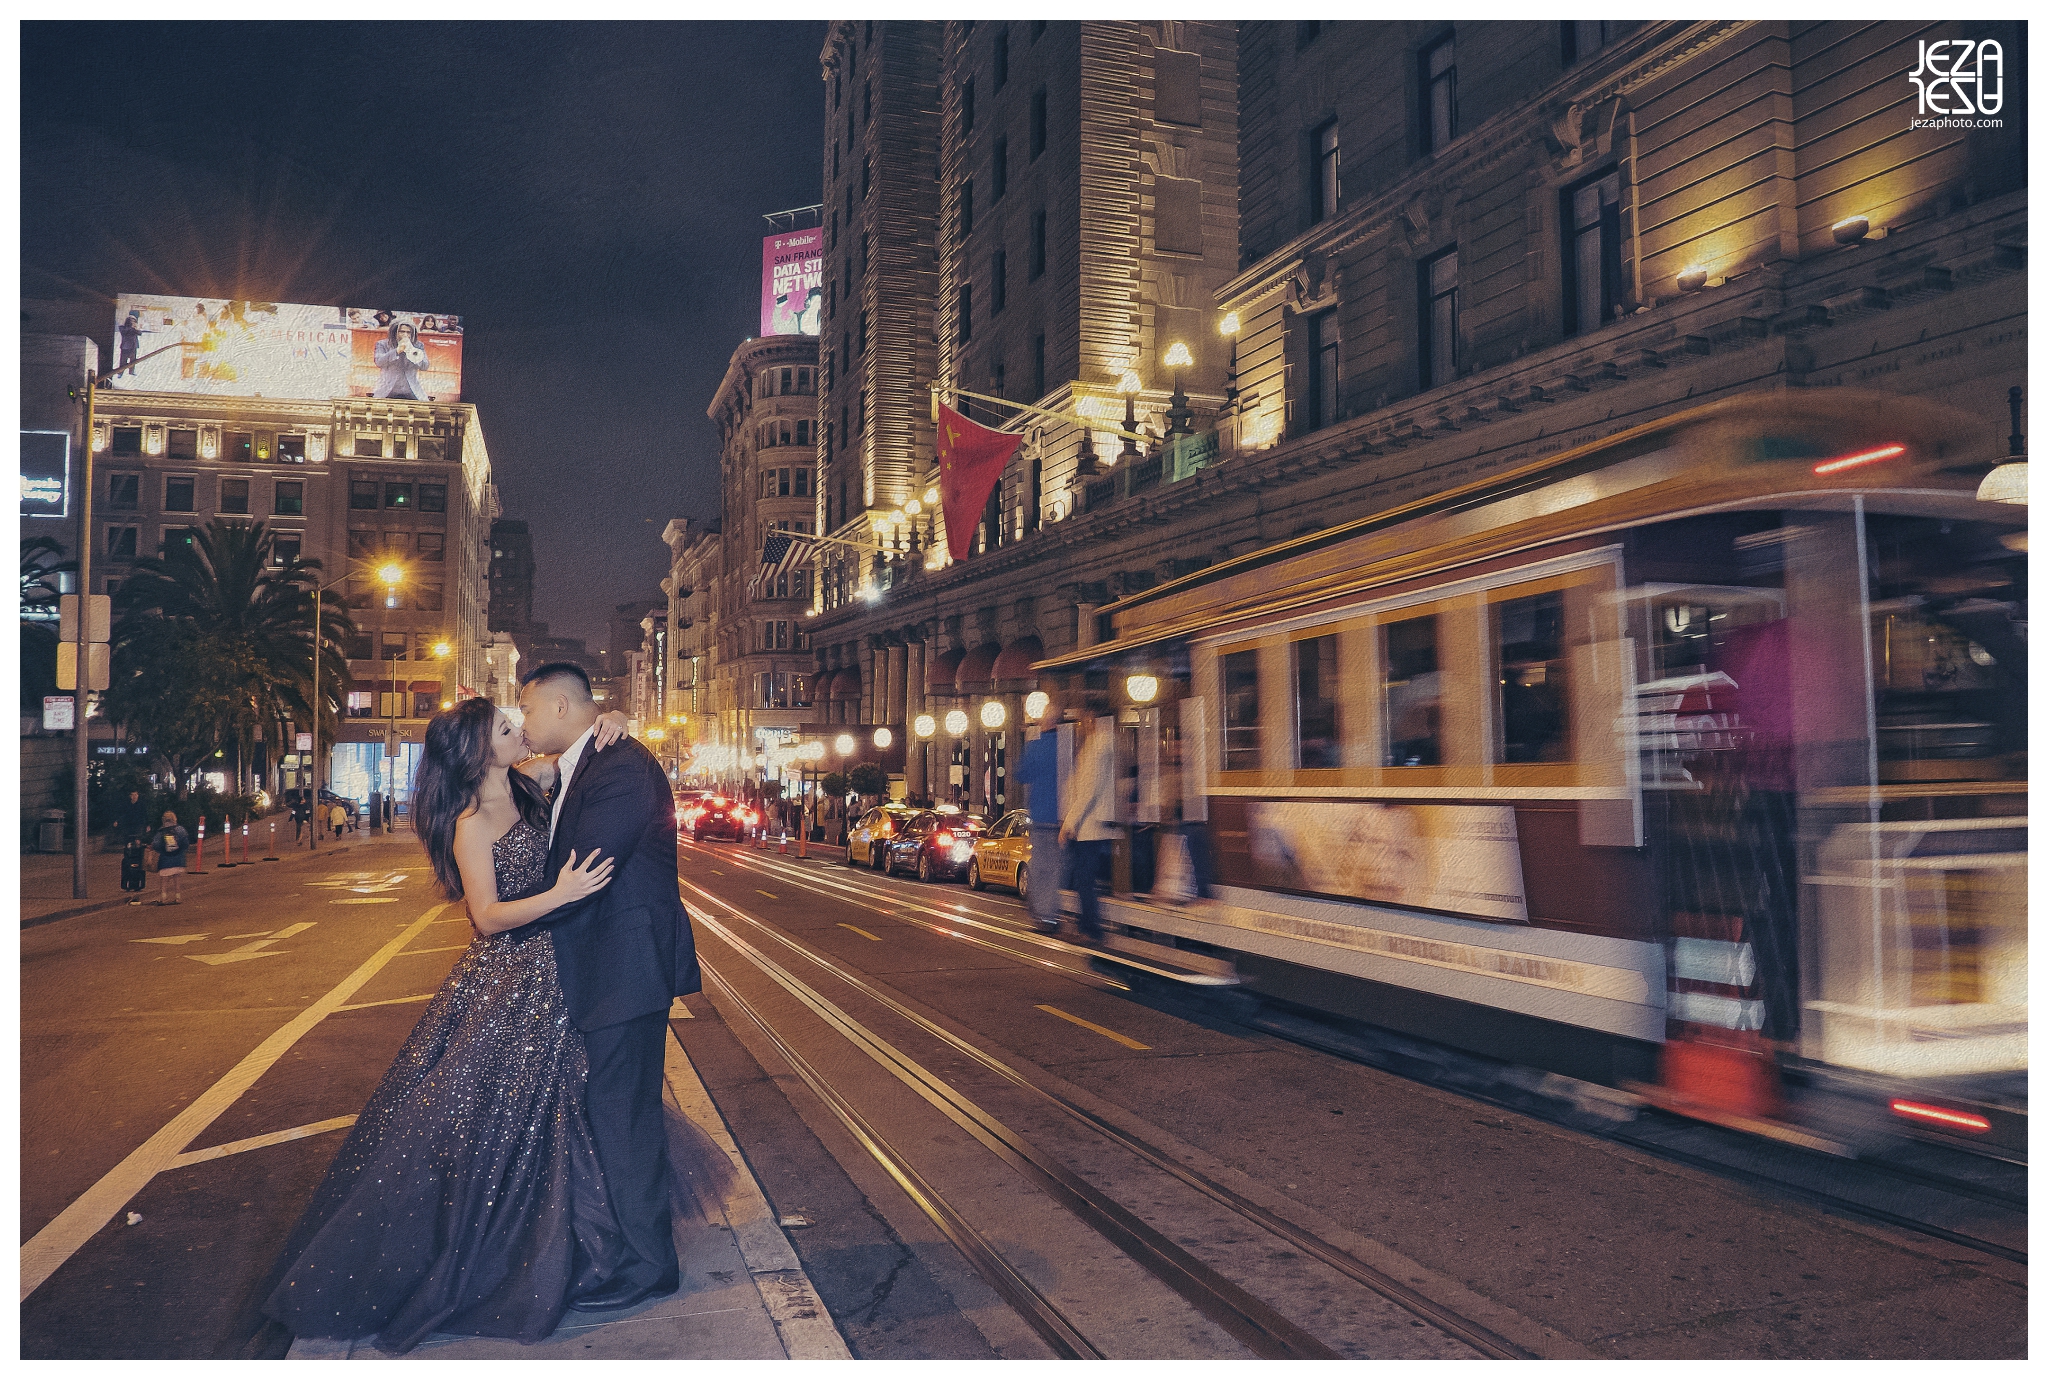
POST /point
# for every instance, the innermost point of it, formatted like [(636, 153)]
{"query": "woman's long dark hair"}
[(452, 770)]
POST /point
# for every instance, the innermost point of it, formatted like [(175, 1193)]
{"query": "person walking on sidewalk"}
[(1038, 772), (170, 842), (337, 820), (1088, 823)]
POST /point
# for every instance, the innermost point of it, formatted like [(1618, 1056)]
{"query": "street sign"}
[(304, 742), (58, 712), (98, 666), (99, 611)]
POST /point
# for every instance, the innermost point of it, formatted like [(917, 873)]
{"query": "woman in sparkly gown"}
[(468, 1198)]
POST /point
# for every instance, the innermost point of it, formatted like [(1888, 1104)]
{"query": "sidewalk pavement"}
[(46, 877), (745, 1296)]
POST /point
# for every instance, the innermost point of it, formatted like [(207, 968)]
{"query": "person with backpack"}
[(170, 843)]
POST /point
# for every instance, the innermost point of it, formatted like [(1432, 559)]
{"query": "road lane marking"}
[(171, 939), (448, 949), (236, 1147), (1124, 1040), (253, 934), (366, 901), (859, 931), (769, 894), (388, 1001), (64, 1234)]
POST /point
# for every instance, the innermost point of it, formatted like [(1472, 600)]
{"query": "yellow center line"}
[(388, 1001), (1124, 1040), (859, 931), (769, 894), (447, 949)]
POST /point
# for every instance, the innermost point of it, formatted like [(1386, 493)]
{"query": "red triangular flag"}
[(971, 459)]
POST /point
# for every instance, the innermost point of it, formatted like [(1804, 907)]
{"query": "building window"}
[(290, 498), (367, 447), (1306, 32), (362, 541), (362, 493), (965, 320), (803, 482), (179, 538), (397, 495), (285, 548), (1037, 122), (863, 331), (999, 379), (867, 101), (398, 543), (1584, 37), (427, 595), (999, 53), (1411, 693), (124, 491), (431, 545), (967, 106), (1241, 711), (1438, 352), (965, 225), (1439, 94), (1324, 378), (433, 498), (184, 444), (1315, 703), (127, 440), (999, 170), (1326, 187), (1038, 366), (359, 701), (178, 493), (238, 447), (121, 542), (234, 495), (1036, 267), (803, 381), (1592, 259), (867, 180), (292, 448), (998, 281), (1533, 710)]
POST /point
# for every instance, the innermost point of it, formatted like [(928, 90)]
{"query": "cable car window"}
[(1315, 702), (1535, 724), (1412, 693), (1241, 710)]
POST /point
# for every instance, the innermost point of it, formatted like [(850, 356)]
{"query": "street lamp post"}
[(391, 575)]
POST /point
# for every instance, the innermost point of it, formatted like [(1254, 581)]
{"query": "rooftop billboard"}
[(237, 348), (792, 268)]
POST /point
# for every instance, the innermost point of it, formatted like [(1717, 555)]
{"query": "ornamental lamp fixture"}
[(956, 722), (391, 573), (1036, 703), (1142, 689), (1851, 230), (924, 725), (1179, 417), (1178, 356), (1230, 325), (993, 714), (883, 737), (2008, 482), (843, 744), (1691, 278)]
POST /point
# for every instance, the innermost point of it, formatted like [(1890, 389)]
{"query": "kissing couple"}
[(512, 1164)]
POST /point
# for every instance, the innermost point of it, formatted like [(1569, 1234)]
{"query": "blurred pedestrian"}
[(1088, 822), (134, 820), (337, 819), (170, 842), (1038, 773)]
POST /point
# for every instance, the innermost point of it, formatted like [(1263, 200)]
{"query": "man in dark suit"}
[(623, 954)]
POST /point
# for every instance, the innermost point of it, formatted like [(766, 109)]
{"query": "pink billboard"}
[(792, 268)]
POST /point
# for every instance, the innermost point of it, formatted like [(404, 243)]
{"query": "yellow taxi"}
[(1003, 855), (868, 836)]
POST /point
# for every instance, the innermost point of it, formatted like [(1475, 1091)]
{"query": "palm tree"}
[(42, 561), (214, 641)]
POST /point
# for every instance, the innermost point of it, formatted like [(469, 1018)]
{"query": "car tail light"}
[(1861, 457), (943, 839), (1947, 1117)]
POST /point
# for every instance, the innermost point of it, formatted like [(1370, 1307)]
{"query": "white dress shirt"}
[(565, 772)]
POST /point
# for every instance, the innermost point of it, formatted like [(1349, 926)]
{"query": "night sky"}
[(587, 197)]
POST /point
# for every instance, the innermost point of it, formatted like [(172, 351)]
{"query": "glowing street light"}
[(883, 737), (956, 722), (924, 725), (1142, 689), (1036, 703), (843, 744), (993, 714)]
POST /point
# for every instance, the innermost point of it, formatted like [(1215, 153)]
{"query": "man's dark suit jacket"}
[(627, 951)]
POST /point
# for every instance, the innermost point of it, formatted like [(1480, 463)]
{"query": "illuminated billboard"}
[(792, 268), (45, 474), (235, 348)]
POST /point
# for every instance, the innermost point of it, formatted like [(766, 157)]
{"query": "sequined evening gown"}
[(468, 1198)]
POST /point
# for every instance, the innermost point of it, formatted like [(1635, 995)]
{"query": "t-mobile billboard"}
[(248, 349), (792, 268)]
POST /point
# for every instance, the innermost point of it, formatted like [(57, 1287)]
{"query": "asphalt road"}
[(254, 1021)]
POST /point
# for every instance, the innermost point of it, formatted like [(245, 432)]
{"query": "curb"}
[(91, 907)]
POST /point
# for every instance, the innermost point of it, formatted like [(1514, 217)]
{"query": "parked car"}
[(936, 845), (874, 828), (718, 818), (1002, 856)]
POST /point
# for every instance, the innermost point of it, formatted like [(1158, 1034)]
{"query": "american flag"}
[(780, 554)]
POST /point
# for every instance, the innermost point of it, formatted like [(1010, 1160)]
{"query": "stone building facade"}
[(696, 567), (766, 408), (1453, 248)]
